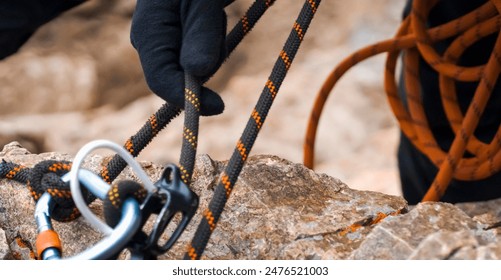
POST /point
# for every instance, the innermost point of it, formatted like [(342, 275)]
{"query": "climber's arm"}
[(19, 19)]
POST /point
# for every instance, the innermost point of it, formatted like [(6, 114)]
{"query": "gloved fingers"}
[(173, 92), (204, 33), (162, 29), (52, 9), (228, 2), (168, 84), (211, 103), (156, 35)]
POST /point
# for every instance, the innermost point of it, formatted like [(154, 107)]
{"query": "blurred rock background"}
[(79, 79)]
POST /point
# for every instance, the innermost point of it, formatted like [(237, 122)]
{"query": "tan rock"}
[(278, 210), (431, 230), (4, 246)]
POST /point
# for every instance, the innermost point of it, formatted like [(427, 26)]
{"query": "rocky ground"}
[(78, 79), (278, 210)]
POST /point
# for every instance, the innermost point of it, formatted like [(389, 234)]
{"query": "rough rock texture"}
[(429, 231), (4, 246), (486, 212), (280, 210)]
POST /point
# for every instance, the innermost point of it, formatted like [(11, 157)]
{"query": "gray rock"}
[(4, 246), (22, 249), (488, 252), (429, 231), (282, 210), (443, 244), (487, 213), (278, 210)]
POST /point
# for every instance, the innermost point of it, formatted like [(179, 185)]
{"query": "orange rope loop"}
[(414, 40)]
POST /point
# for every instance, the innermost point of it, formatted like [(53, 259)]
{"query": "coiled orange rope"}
[(415, 40)]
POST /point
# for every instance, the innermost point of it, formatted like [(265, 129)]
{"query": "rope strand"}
[(244, 144)]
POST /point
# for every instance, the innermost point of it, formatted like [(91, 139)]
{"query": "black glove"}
[(173, 36), (19, 19)]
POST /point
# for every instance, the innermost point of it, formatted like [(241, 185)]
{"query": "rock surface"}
[(429, 231), (279, 210), (4, 246), (282, 210)]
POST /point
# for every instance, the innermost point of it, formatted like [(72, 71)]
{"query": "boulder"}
[(278, 210), (4, 246), (431, 230)]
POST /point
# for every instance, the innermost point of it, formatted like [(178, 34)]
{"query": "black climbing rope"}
[(230, 175)]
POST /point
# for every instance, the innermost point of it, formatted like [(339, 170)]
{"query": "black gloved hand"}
[(19, 19), (173, 36)]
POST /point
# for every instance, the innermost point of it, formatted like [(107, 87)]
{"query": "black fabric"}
[(173, 36), (19, 19), (416, 171)]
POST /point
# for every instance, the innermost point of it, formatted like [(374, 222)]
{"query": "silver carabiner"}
[(104, 249)]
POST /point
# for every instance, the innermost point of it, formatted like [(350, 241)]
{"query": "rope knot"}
[(46, 177)]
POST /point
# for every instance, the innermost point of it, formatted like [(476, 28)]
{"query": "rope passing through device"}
[(141, 244), (413, 38)]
